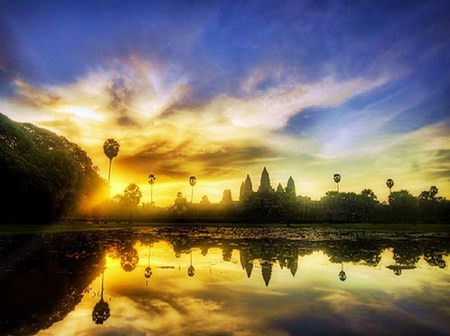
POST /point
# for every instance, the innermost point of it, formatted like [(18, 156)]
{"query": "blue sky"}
[(334, 85)]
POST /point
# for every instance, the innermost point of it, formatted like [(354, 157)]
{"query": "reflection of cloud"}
[(223, 301)]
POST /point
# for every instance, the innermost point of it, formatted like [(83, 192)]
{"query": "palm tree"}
[(101, 310), (390, 184), (192, 182), (111, 149), (151, 180), (337, 179)]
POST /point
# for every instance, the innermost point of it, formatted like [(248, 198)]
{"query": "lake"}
[(179, 280)]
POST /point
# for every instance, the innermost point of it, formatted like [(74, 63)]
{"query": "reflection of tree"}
[(342, 274), (101, 310), (129, 258), (191, 269), (148, 271), (406, 256), (364, 250), (434, 255)]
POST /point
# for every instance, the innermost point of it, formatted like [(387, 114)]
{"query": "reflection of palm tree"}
[(342, 275), (151, 180), (390, 184), (111, 149), (191, 269), (192, 181), (101, 310), (337, 179), (148, 270)]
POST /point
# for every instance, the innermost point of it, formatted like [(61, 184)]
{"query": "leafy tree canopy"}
[(44, 175)]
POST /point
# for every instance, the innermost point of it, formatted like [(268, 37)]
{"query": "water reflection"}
[(101, 310), (224, 281)]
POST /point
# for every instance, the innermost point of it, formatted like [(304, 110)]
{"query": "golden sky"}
[(219, 93)]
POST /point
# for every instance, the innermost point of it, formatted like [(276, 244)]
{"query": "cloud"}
[(30, 95), (145, 105)]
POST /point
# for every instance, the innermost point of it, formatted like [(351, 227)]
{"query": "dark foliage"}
[(44, 176)]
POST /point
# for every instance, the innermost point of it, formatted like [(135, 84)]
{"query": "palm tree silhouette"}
[(192, 182), (101, 310), (390, 184), (151, 180), (111, 149), (337, 179)]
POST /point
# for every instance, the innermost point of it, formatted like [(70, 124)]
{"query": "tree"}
[(151, 180), (368, 201), (337, 179), (403, 205), (132, 194), (111, 149), (433, 191), (390, 184), (192, 182), (49, 174)]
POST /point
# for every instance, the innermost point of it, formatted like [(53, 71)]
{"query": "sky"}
[(221, 89)]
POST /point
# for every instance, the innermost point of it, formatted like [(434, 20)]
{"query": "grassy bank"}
[(90, 226)]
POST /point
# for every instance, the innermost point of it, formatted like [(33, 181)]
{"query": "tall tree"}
[(111, 149), (390, 184), (192, 182), (151, 180), (337, 179)]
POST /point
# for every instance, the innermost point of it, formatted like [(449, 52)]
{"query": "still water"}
[(225, 281)]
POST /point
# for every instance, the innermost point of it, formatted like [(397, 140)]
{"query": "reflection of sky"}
[(221, 300)]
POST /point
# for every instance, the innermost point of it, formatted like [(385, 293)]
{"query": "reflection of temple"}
[(44, 276)]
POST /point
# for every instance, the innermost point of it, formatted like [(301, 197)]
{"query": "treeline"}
[(44, 176), (282, 207)]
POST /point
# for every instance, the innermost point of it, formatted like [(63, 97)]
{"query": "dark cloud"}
[(120, 98), (38, 98), (167, 160)]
